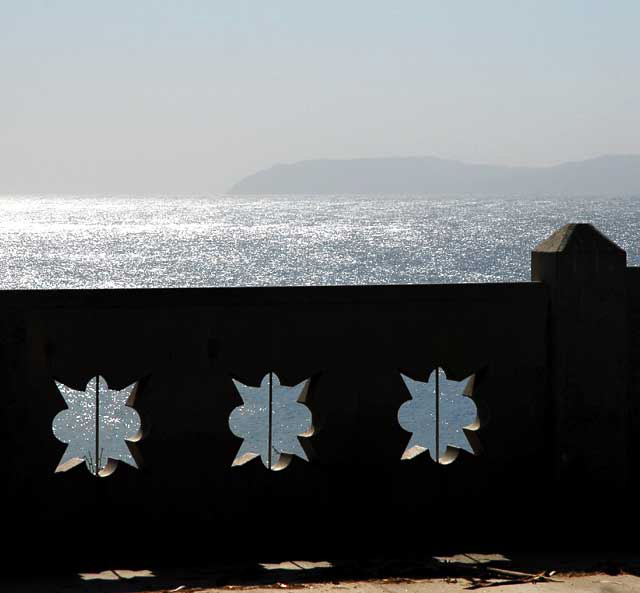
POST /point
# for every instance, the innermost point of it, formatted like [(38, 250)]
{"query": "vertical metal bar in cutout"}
[(438, 414), (270, 415), (97, 422)]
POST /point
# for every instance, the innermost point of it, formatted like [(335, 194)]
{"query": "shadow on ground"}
[(476, 568)]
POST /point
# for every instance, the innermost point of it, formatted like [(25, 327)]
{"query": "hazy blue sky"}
[(189, 96)]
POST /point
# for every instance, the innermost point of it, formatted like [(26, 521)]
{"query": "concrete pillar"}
[(588, 356)]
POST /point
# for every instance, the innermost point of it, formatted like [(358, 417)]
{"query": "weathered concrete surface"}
[(188, 345), (586, 275), (633, 294)]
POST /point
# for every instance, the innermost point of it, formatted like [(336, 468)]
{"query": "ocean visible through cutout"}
[(436, 415), (97, 426), (271, 420)]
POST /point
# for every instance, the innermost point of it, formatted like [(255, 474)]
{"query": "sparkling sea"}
[(168, 241), (130, 241)]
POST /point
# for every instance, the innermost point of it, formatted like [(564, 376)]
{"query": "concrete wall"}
[(633, 294), (355, 495)]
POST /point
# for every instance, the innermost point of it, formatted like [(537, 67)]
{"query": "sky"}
[(189, 96)]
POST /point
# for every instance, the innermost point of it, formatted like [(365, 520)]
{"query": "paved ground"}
[(493, 573)]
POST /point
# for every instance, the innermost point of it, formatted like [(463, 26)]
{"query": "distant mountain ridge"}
[(605, 175)]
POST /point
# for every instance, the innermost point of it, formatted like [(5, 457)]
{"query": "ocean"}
[(168, 241), (130, 241)]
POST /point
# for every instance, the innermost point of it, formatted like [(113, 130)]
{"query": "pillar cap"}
[(578, 238)]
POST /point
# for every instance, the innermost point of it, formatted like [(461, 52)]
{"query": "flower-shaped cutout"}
[(96, 426), (270, 421), (437, 415)]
